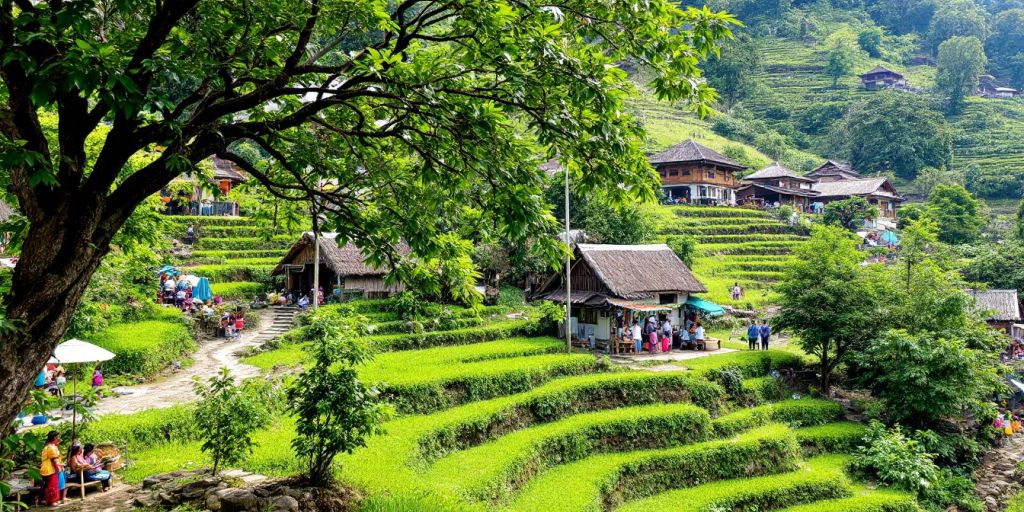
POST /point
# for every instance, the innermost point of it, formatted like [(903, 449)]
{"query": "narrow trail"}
[(176, 388), (998, 477)]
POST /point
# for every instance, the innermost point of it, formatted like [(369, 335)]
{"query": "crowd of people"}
[(1014, 351), (83, 462), (659, 335), (758, 335), (300, 300)]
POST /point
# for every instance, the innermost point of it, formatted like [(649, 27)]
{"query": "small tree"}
[(850, 213), (828, 300), (684, 246), (870, 40), (958, 213), (227, 415), (335, 410), (841, 59)]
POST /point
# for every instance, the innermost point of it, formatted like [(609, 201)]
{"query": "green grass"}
[(237, 289), (839, 437), (864, 500), (144, 348), (819, 478)]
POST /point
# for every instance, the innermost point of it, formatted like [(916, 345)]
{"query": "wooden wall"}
[(696, 174)]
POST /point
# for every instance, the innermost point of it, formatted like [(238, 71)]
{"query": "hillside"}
[(735, 245)]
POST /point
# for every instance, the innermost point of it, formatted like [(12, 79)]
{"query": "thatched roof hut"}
[(344, 267), (628, 272)]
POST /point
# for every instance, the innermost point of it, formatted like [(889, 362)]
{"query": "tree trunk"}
[(826, 372), (58, 258)]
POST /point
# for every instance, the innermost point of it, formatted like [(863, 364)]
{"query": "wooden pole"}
[(568, 274)]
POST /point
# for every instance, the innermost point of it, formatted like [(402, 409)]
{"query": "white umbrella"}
[(77, 351)]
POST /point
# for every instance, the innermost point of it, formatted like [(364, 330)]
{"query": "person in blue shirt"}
[(766, 332), (752, 334)]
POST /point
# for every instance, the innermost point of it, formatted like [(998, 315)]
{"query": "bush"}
[(144, 429), (238, 290), (840, 437), (953, 492), (227, 415), (495, 331), (144, 348), (894, 460)]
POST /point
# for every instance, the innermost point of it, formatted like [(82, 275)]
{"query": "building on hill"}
[(693, 173), (612, 285), (876, 190), (988, 87), (186, 196), (343, 270), (882, 77), (832, 170), (777, 184), (1003, 306)]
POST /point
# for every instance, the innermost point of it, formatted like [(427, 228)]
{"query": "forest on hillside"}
[(789, 87)]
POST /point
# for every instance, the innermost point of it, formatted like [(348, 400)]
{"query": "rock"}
[(252, 479), (145, 501), (167, 499), (197, 489), (234, 473), (237, 500), (152, 481), (261, 492), (991, 503), (213, 502), (284, 504)]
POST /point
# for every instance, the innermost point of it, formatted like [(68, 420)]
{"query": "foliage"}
[(732, 72), (895, 131), (850, 213), (336, 411), (1006, 46), (950, 488), (958, 213), (895, 460), (828, 300), (924, 377), (958, 18), (144, 348), (1018, 224), (870, 40), (961, 60), (144, 429), (841, 58), (602, 220), (996, 265), (16, 447), (226, 416), (450, 276), (685, 247)]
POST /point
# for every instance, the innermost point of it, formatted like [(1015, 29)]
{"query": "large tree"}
[(1005, 47), (959, 215), (384, 114), (957, 18), (961, 60), (733, 72), (895, 131)]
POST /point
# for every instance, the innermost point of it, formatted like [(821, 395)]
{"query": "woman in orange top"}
[(50, 468)]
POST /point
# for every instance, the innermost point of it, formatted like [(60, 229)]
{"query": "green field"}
[(734, 245), (503, 429)]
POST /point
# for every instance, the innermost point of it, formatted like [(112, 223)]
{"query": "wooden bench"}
[(81, 483), (624, 346)]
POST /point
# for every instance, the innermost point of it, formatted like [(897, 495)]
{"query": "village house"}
[(693, 173), (882, 77), (832, 181), (988, 87), (777, 184), (196, 199), (1002, 306), (344, 271), (612, 285)]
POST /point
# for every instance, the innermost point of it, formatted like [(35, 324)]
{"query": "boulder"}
[(237, 500), (284, 504)]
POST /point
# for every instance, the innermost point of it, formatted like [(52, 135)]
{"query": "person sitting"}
[(698, 336), (303, 302), (83, 459)]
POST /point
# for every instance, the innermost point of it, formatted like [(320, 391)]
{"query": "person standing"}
[(737, 292), (698, 336), (753, 334), (766, 332), (636, 335), (50, 469)]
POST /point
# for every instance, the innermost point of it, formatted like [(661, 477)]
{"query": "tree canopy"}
[(385, 115), (961, 60), (959, 215)]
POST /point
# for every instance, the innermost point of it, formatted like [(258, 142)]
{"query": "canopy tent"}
[(75, 351), (889, 237), (709, 308), (201, 291), (190, 279)]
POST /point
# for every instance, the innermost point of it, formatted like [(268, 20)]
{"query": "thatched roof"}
[(1005, 303), (878, 186), (343, 261), (834, 168), (775, 170), (691, 151), (639, 271), (227, 170)]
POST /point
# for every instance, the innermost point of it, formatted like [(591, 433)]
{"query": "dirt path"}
[(997, 477), (176, 387)]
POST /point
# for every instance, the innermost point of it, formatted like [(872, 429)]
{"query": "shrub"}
[(953, 492), (144, 429), (495, 331), (144, 348), (894, 460), (238, 290), (227, 415), (510, 297), (840, 437)]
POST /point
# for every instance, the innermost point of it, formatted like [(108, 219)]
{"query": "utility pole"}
[(568, 273), (316, 257)]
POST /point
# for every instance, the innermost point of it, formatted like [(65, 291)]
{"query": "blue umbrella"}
[(167, 269), (889, 237), (202, 290)]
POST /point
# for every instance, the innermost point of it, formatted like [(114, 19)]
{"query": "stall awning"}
[(709, 308)]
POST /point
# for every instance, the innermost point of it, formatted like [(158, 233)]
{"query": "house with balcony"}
[(693, 173)]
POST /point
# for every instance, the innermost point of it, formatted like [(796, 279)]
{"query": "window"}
[(686, 172), (661, 172), (711, 175), (667, 298), (673, 172)]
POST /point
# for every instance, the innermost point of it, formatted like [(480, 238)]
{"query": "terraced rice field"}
[(233, 252), (735, 245)]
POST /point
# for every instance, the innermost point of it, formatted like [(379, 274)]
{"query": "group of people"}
[(758, 334), (659, 335), (174, 292), (301, 301), (55, 474), (1008, 424), (1015, 350), (232, 323), (53, 378)]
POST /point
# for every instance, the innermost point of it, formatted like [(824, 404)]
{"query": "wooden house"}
[(832, 170), (882, 77), (1002, 306), (343, 270), (614, 284), (693, 173), (197, 199), (876, 190), (777, 184), (988, 87)]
